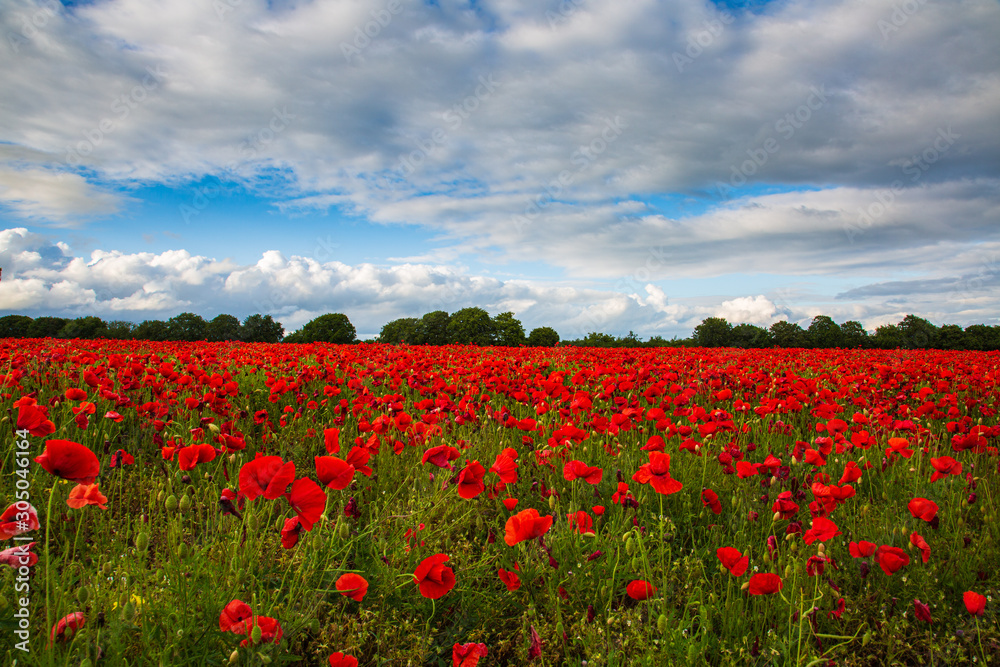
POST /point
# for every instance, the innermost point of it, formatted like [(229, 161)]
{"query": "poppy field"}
[(248, 504)]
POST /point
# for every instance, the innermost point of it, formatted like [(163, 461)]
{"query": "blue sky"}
[(589, 165)]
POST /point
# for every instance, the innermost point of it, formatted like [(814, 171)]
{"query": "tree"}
[(750, 336), (918, 333), (471, 326), (155, 330), (432, 329), (982, 337), (223, 327), (46, 327), (888, 337), (120, 330), (823, 332), (187, 327), (853, 335), (788, 334), (84, 327), (259, 328), (713, 332), (507, 330), (399, 331), (543, 337), (950, 337), (330, 328), (15, 326)]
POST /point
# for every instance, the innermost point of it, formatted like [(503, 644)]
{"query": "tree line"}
[(475, 326)]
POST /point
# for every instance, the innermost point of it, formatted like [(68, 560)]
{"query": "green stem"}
[(48, 562)]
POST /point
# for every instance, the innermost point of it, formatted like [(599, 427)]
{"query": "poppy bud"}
[(185, 503), (86, 663), (83, 594), (255, 634), (253, 523), (629, 546), (344, 530), (128, 611), (552, 502), (182, 550), (661, 624), (171, 503), (142, 541), (266, 659), (234, 656)]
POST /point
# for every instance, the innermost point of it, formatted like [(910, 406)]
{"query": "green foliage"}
[(46, 327), (543, 337), (507, 330), (187, 326), (154, 330), (888, 337), (432, 329), (120, 330), (787, 334), (399, 331), (15, 326), (223, 327), (750, 336), (330, 328), (259, 328), (918, 333), (824, 333), (853, 335), (713, 332), (471, 326), (950, 337)]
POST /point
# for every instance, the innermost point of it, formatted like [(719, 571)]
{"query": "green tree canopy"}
[(713, 332), (823, 332), (888, 337), (787, 334), (853, 335), (259, 328), (223, 327), (432, 329), (950, 337), (471, 326), (918, 333), (120, 330), (89, 327), (330, 328), (507, 330), (15, 326), (750, 336), (187, 327), (46, 327), (543, 337), (399, 331), (155, 330)]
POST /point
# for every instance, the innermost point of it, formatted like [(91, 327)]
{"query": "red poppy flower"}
[(862, 549), (899, 446), (580, 470), (270, 630), (75, 394), (822, 529), (331, 440), (121, 458), (70, 460), (784, 507), (891, 559), (837, 611), (921, 508), (86, 494), (467, 655), (852, 473), (470, 480), (33, 418), (765, 583), (920, 543), (581, 522), (290, 532), (19, 518), (510, 503), (308, 500), (622, 495), (266, 476), (657, 474), (746, 469), (441, 456), (505, 466), (510, 579), (233, 614), (19, 556), (974, 602), (340, 660), (710, 499), (434, 577), (525, 525), (640, 590), (190, 456), (922, 611), (334, 473), (66, 627), (733, 560), (945, 466), (352, 585)]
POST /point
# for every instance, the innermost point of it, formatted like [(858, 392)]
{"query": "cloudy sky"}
[(590, 165)]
